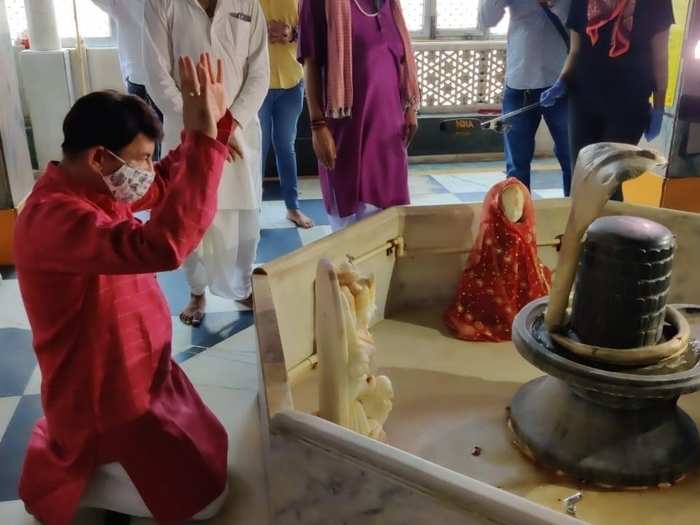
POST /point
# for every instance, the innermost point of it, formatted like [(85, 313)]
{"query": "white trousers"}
[(224, 260), (111, 489)]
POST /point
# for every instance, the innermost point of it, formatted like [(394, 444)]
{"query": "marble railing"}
[(331, 471)]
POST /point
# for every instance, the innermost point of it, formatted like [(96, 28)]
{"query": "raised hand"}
[(203, 95)]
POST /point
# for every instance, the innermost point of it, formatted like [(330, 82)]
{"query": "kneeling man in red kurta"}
[(123, 429)]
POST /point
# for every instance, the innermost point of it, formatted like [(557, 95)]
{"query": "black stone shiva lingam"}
[(607, 412)]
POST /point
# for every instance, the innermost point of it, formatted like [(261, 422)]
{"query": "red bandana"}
[(602, 12)]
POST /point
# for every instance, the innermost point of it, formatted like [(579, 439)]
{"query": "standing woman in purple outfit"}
[(362, 93)]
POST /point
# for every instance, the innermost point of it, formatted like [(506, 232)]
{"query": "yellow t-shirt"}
[(285, 70)]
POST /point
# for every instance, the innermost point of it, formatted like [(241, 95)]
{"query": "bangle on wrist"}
[(318, 123)]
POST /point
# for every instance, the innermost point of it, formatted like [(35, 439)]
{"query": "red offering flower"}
[(503, 273)]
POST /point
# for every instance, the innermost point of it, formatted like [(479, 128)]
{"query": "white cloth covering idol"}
[(237, 34)]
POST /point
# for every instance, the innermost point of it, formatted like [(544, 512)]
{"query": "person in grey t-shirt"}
[(535, 56)]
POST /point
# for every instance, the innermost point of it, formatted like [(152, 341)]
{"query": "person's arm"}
[(158, 59), (257, 82), (491, 12), (81, 239), (314, 89), (561, 86), (167, 169), (572, 58), (659, 49)]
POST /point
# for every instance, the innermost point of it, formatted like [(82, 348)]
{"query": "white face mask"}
[(128, 184)]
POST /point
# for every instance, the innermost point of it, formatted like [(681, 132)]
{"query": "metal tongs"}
[(500, 124)]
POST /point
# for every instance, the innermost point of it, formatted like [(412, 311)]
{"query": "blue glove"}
[(550, 97), (655, 120)]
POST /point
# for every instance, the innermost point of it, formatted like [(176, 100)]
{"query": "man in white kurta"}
[(236, 32)]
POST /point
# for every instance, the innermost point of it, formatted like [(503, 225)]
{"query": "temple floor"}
[(220, 356)]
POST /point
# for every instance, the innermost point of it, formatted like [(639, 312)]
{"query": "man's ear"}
[(96, 157)]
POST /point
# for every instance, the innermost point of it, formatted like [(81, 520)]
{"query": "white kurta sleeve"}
[(249, 100), (158, 58)]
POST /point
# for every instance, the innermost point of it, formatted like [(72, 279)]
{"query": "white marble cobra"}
[(349, 394)]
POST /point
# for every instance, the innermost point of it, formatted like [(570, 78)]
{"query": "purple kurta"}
[(372, 163)]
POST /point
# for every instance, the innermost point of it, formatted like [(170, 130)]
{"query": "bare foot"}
[(299, 219), (194, 313)]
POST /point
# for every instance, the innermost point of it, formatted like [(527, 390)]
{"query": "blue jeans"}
[(279, 115), (520, 139)]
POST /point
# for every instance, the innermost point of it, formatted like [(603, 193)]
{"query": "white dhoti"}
[(111, 489), (236, 34), (224, 260)]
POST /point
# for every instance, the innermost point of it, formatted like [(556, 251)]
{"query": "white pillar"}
[(43, 29), (19, 176)]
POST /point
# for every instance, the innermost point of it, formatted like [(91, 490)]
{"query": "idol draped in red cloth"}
[(102, 328), (503, 273)]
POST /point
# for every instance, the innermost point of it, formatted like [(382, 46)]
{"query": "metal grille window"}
[(451, 19)]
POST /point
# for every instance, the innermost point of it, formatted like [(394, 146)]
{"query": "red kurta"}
[(102, 336), (503, 274)]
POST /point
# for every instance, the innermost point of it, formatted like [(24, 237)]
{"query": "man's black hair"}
[(109, 119)]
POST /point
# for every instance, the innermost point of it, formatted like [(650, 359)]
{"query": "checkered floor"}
[(20, 380)]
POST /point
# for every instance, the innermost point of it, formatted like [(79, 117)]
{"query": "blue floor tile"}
[(217, 327), (8, 272), (183, 356), (471, 197), (435, 186), (17, 361), (277, 242), (14, 443), (272, 191), (316, 210), (176, 290)]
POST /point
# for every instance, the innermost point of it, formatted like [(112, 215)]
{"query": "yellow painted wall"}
[(680, 10)]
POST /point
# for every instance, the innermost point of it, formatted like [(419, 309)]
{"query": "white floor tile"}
[(314, 234), (557, 193), (486, 179), (460, 183), (273, 214), (12, 512), (228, 372), (34, 385), (8, 405), (421, 186), (310, 189), (435, 199), (12, 314)]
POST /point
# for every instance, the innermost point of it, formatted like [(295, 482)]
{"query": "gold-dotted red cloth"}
[(503, 273)]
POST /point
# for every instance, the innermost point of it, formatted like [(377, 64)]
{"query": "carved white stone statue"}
[(349, 394)]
